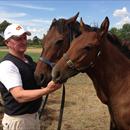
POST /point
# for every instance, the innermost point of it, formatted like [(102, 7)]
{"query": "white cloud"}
[(37, 27), (4, 14), (121, 12), (41, 21), (37, 31), (31, 7), (123, 21)]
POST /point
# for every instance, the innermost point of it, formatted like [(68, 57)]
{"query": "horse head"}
[(55, 43), (83, 52)]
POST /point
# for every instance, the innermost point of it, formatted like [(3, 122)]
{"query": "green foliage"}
[(35, 41), (3, 25), (1, 41), (35, 56), (123, 33), (2, 54)]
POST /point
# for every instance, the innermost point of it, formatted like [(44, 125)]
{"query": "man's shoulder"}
[(6, 64)]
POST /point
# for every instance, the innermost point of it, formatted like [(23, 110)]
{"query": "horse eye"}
[(59, 42), (88, 48)]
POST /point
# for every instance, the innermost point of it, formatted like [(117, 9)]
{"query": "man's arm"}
[(22, 95)]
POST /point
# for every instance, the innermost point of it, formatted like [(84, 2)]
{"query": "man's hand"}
[(52, 86)]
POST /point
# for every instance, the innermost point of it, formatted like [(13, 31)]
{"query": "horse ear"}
[(104, 26), (44, 35), (72, 19), (82, 25), (54, 20)]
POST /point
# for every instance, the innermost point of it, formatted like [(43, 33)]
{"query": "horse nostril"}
[(57, 75)]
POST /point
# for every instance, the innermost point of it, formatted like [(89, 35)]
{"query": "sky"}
[(36, 16)]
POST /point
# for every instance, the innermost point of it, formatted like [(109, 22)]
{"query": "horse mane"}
[(62, 26), (59, 24), (118, 43)]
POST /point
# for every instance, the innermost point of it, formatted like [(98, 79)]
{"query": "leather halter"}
[(46, 61), (71, 64)]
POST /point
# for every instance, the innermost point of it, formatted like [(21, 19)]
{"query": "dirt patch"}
[(83, 110)]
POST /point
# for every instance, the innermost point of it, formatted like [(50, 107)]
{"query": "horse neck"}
[(110, 69), (111, 58)]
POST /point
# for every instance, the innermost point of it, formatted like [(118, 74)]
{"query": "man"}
[(21, 95)]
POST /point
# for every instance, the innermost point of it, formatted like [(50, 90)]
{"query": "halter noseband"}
[(46, 61), (71, 64)]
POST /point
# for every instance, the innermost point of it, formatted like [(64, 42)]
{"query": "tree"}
[(1, 41), (3, 25), (116, 31), (125, 31), (36, 41)]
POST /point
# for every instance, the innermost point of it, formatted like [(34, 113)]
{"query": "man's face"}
[(18, 44)]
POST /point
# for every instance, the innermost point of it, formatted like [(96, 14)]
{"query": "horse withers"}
[(94, 54)]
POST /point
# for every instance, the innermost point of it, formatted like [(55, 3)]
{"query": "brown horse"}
[(55, 43), (93, 53)]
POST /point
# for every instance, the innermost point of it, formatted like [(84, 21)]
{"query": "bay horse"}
[(94, 54), (55, 43)]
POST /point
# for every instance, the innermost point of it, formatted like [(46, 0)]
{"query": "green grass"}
[(2, 54), (35, 56)]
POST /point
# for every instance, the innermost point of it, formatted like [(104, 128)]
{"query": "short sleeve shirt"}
[(9, 75)]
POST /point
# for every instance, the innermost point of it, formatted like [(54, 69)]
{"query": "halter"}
[(46, 61), (71, 64)]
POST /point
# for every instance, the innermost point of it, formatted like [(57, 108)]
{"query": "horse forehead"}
[(54, 31), (52, 34), (90, 37)]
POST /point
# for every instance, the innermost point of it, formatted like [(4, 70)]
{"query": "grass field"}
[(2, 54), (33, 52)]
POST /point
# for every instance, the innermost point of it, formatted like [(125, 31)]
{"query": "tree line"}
[(122, 33)]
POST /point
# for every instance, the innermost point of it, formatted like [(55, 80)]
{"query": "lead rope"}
[(61, 108), (43, 107)]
